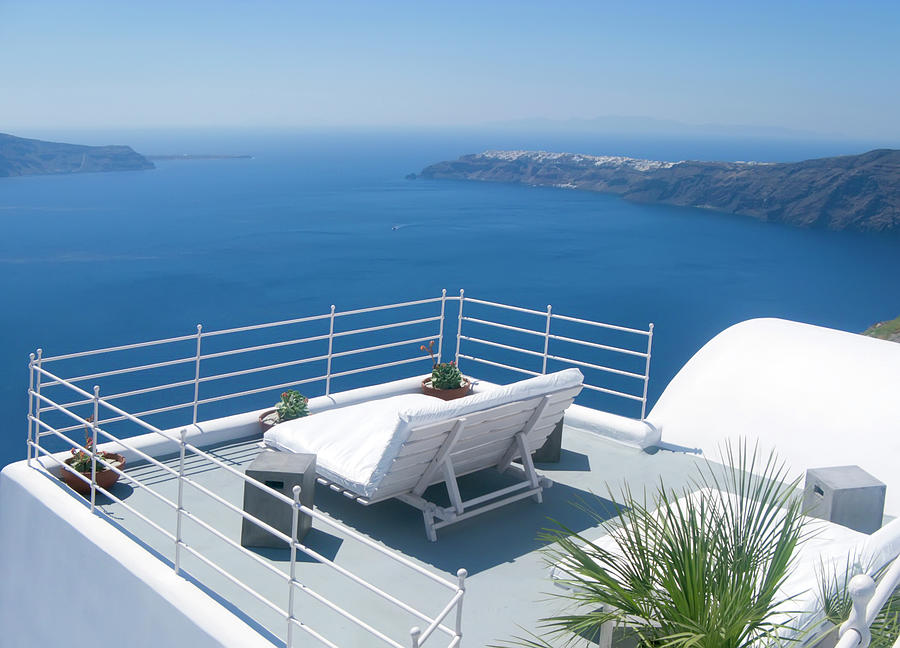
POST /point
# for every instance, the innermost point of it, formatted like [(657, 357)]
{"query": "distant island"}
[(889, 330), (20, 156), (194, 156), (855, 192)]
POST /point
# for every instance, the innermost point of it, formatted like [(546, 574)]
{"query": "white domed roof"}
[(820, 397)]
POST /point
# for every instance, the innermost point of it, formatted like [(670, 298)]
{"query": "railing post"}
[(94, 446), (462, 297), (330, 349), (461, 575), (37, 405), (197, 373), (441, 330), (31, 399), (647, 373), (414, 635), (180, 509), (295, 520), (547, 338), (861, 589)]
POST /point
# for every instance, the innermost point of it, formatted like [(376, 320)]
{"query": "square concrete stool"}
[(845, 495), (280, 471)]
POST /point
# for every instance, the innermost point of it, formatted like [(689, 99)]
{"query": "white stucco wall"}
[(818, 396), (70, 578)]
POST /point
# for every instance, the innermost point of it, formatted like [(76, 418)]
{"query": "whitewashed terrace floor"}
[(508, 580)]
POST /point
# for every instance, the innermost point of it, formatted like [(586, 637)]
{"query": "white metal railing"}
[(417, 328), (542, 334), (435, 622), (868, 599)]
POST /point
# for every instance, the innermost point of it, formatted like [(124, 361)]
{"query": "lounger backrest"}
[(482, 440)]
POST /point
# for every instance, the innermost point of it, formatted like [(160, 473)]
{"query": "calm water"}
[(101, 259)]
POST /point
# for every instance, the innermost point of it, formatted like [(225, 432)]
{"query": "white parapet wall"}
[(69, 575), (71, 578)]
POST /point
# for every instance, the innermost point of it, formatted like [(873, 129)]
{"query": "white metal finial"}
[(414, 633), (861, 590)]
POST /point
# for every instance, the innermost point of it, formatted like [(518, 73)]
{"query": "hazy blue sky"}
[(830, 67)]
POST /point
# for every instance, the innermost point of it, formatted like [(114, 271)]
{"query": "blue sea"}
[(318, 218)]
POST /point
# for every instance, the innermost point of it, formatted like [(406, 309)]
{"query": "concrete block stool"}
[(845, 495), (280, 471)]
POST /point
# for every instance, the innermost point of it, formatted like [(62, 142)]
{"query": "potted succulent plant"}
[(80, 461), (446, 381), (293, 405)]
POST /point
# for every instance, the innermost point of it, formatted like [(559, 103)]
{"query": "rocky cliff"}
[(20, 156), (860, 192)]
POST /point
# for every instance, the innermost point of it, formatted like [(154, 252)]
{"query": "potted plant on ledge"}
[(293, 405), (446, 381), (80, 461)]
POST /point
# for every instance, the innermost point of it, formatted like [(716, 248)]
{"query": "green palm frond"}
[(699, 568)]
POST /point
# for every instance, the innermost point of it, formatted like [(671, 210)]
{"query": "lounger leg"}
[(528, 465), (430, 531)]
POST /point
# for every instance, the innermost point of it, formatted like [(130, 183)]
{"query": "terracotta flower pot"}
[(446, 394), (105, 478), (268, 423)]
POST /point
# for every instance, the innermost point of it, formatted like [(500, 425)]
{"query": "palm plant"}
[(836, 603), (697, 569)]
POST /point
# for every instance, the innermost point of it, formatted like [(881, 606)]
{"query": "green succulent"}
[(446, 375), (293, 405)]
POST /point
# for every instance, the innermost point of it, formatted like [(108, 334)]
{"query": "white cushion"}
[(355, 445)]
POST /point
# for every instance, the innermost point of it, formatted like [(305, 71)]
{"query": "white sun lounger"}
[(397, 447)]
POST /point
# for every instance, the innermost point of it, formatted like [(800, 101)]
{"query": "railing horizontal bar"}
[(600, 324), (249, 480), (143, 455), (612, 392), (124, 347), (231, 507), (62, 409), (595, 345), (65, 466), (256, 327), (500, 364), (344, 613), (259, 390), (379, 347), (518, 329), (272, 568), (158, 410), (378, 366), (506, 306), (590, 365), (883, 591), (116, 372), (441, 616), (262, 599), (280, 365), (262, 347), (384, 327), (502, 346), (312, 632), (134, 392), (322, 518), (430, 300), (369, 586), (51, 430)]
